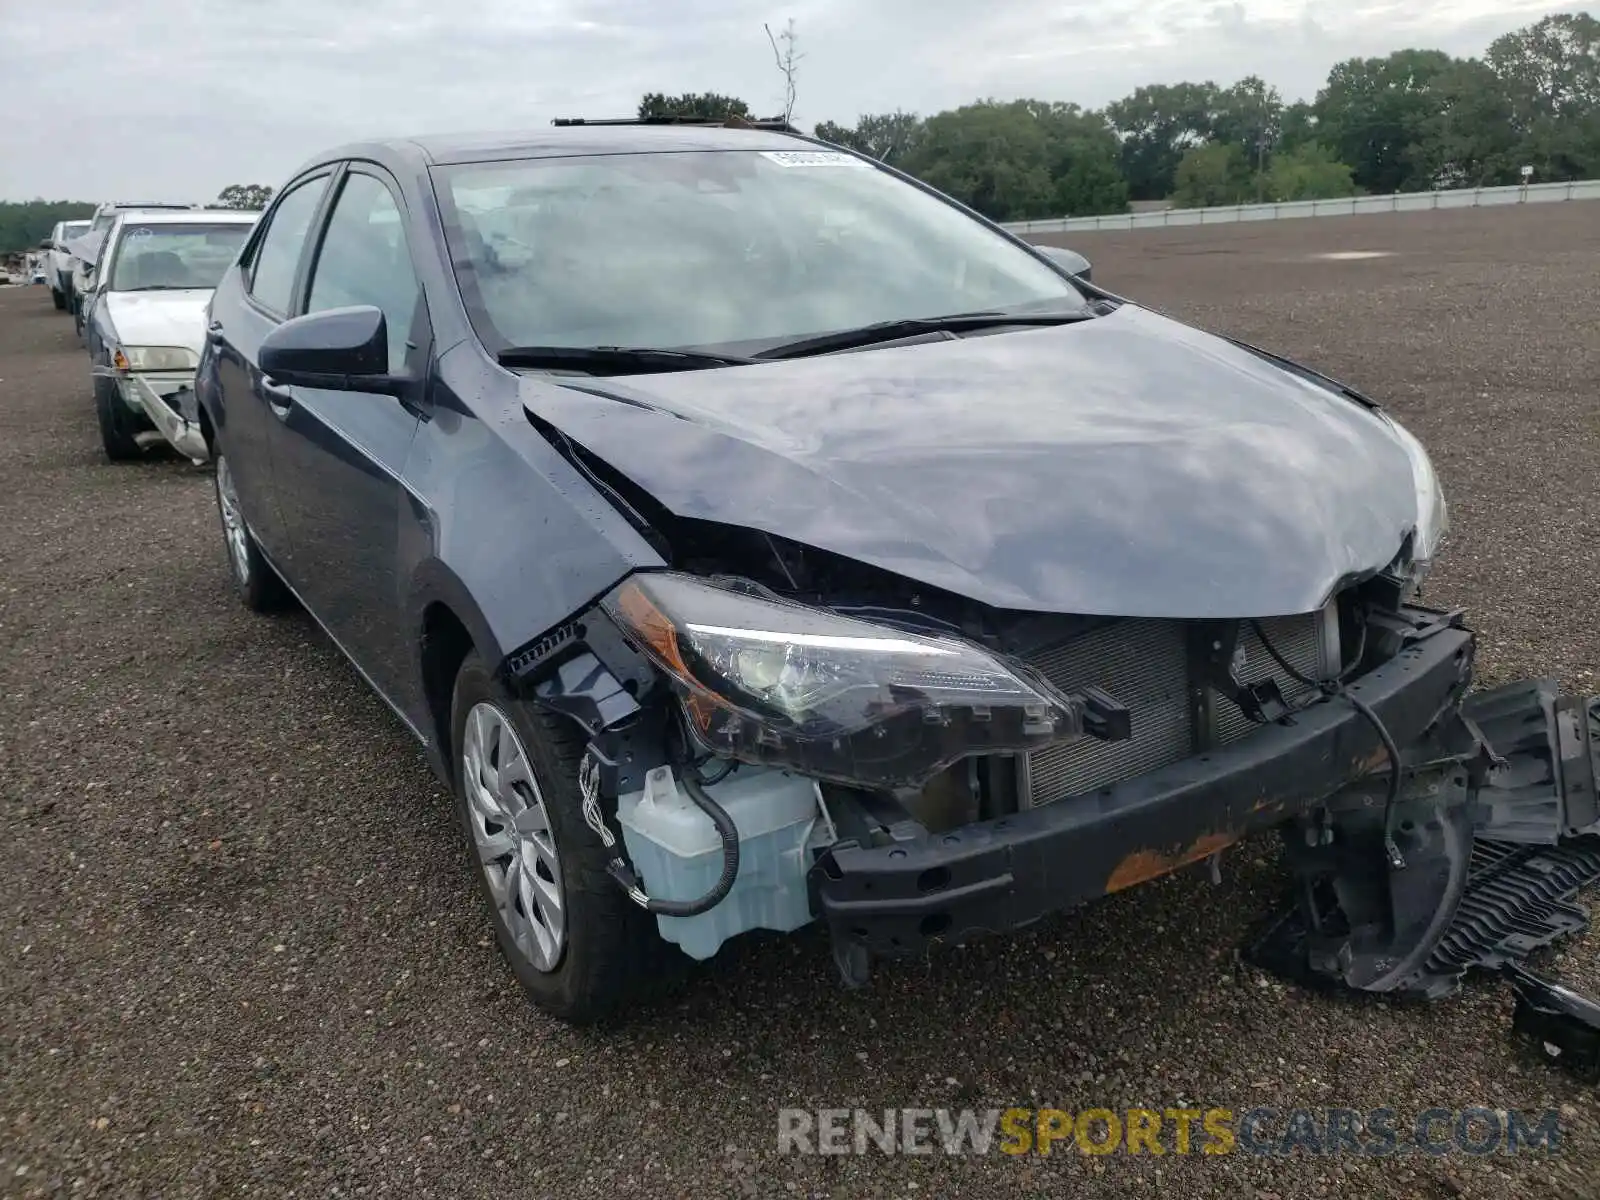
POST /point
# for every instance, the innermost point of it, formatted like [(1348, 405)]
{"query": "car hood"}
[(176, 318), (1125, 465)]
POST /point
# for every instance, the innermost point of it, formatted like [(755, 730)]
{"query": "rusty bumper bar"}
[(891, 900)]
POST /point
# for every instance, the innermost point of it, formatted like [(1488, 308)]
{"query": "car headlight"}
[(1433, 515), (769, 681), (154, 358)]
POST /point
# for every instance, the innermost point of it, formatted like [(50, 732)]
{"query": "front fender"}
[(502, 528), (433, 583)]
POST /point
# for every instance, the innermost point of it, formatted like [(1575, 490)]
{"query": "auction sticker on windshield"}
[(812, 158)]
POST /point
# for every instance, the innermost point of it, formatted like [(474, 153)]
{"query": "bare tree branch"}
[(786, 60)]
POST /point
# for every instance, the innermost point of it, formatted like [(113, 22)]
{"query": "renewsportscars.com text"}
[(1211, 1131)]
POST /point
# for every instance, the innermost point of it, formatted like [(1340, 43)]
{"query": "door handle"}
[(279, 402)]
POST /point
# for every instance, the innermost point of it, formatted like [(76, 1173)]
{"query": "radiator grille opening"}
[(1145, 665)]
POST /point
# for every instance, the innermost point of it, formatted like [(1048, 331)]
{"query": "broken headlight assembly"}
[(768, 681), (1433, 516)]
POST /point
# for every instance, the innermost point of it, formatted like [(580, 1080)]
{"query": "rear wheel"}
[(117, 428), (579, 947), (254, 579)]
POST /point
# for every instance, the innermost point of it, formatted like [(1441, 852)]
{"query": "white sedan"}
[(145, 323)]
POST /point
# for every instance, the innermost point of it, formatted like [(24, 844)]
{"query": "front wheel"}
[(254, 579), (577, 944), (58, 300), (117, 432)]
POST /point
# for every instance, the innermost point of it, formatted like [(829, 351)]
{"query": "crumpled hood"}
[(1127, 465), (176, 318)]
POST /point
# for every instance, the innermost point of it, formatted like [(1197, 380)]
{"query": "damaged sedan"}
[(145, 324), (755, 538)]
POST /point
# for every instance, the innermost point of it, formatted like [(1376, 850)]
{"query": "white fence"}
[(1533, 193)]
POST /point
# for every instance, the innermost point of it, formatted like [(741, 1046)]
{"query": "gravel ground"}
[(243, 954)]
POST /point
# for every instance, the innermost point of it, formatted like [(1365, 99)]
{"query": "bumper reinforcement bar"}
[(895, 898)]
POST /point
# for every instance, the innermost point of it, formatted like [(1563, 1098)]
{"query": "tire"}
[(116, 422), (610, 952), (58, 300), (255, 581)]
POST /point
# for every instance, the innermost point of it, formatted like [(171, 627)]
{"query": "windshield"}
[(157, 257), (73, 229), (718, 248)]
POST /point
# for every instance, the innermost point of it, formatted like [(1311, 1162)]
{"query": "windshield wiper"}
[(621, 359), (888, 331)]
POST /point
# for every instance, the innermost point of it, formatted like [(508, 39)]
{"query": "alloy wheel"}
[(233, 522), (511, 833)]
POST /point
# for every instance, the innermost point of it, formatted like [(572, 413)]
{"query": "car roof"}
[(237, 216), (559, 142), (153, 205)]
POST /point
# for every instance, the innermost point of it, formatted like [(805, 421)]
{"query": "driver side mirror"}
[(1069, 260), (340, 349)]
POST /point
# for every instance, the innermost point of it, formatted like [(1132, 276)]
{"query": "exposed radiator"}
[(1145, 665)]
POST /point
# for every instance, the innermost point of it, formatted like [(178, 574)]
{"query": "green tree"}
[(1084, 162), (701, 106), (887, 137), (1308, 172), (24, 224), (1372, 114), (1562, 148), (1550, 72), (1213, 174), (1157, 125), (990, 156), (1249, 115), (1297, 126), (1551, 68), (1021, 160), (251, 196), (1409, 120), (1469, 140), (838, 135)]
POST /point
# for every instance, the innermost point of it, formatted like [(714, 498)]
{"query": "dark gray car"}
[(752, 536)]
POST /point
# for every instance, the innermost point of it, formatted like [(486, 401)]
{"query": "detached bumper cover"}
[(892, 900), (168, 399)]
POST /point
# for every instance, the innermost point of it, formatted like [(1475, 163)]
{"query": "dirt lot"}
[(242, 952)]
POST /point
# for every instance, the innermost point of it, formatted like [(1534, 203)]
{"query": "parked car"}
[(85, 249), (145, 322), (58, 259), (753, 536)]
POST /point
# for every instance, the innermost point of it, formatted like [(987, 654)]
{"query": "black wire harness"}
[(1336, 687), (694, 785)]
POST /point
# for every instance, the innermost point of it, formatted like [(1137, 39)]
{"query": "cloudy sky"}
[(179, 97)]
